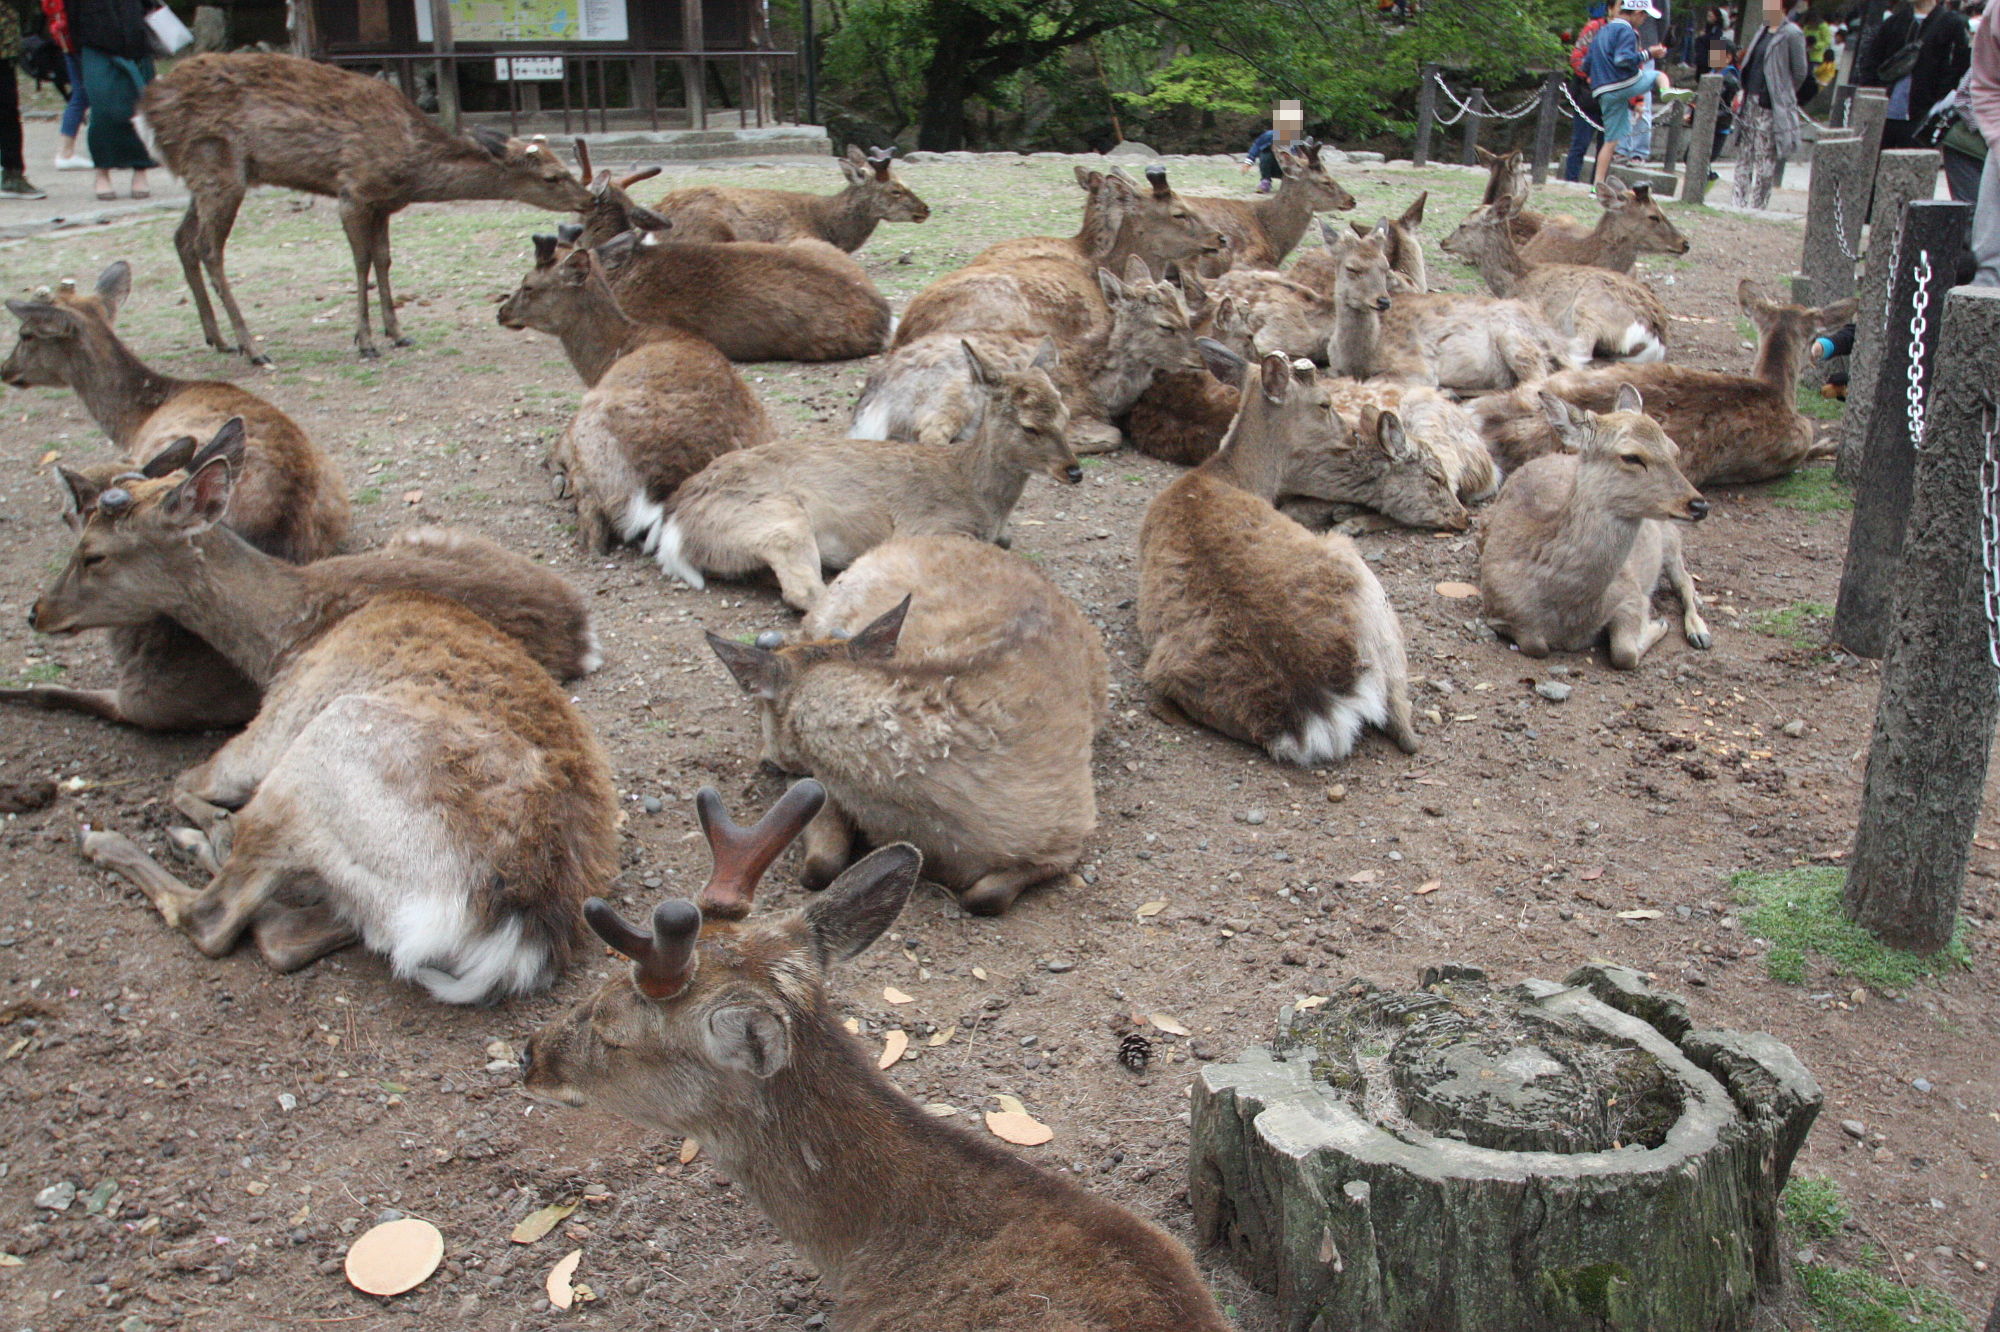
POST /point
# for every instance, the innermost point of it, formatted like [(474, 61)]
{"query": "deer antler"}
[(1156, 176), (545, 251), (663, 962), (583, 159), (743, 854), (627, 182), (879, 158)]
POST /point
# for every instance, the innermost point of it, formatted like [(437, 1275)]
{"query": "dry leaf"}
[(394, 1257), (893, 1045), (9, 1260), (1640, 913), (299, 1217), (1019, 1129), (1593, 873), (1457, 591), (537, 1224), (853, 1027), (1429, 886), (939, 1110), (49, 457), (1364, 876), (417, 497), (690, 1148), (1167, 1024), (1150, 909), (979, 973), (558, 1285), (944, 1037), (1310, 1001), (1011, 1104), (893, 995)]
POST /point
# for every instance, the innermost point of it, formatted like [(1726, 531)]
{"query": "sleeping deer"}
[(1577, 541), (1183, 415), (1254, 626), (795, 506), (1263, 232), (724, 1031), (224, 123), (845, 220), (1730, 428), (414, 779), (946, 694), (662, 405), (1604, 315)]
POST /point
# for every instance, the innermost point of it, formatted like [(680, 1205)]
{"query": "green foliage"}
[(1812, 490), (1802, 624), (1812, 404), (1848, 1299), (42, 672), (1813, 1207), (1798, 912), (1208, 80)]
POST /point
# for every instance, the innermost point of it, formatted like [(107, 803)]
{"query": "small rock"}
[(1336, 793), (651, 804), (1882, 1156), (1854, 1128), (287, 1101), (1795, 728), (1684, 912), (1060, 965), (57, 1197), (1132, 148), (386, 1215), (1921, 1084), (1554, 690), (1254, 816)]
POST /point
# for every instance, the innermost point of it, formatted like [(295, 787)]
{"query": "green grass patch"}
[(1813, 1207), (1812, 490), (370, 495), (1820, 409), (1848, 1299), (1803, 623), (1798, 912), (42, 672)]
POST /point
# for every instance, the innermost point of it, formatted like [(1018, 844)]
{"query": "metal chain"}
[(1840, 223), (1526, 108), (1445, 88), (1889, 281), (1578, 111), (1989, 522), (1919, 325)]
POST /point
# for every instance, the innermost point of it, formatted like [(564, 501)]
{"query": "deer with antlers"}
[(724, 1031)]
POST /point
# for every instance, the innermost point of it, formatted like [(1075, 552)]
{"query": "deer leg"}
[(1634, 631), (290, 937), (58, 698), (359, 221), (218, 220), (992, 894), (828, 846), (123, 857), (792, 554), (213, 822), (1400, 727), (187, 244), (1693, 627), (391, 325)]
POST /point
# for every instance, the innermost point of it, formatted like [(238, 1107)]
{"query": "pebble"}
[(1921, 1084), (57, 1197), (651, 804), (1554, 690), (287, 1101), (1254, 816), (1336, 793), (1060, 965), (1795, 728), (1854, 1128), (386, 1215)]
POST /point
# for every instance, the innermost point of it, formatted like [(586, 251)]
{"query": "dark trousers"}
[(113, 84), (1896, 133), (1267, 165), (1961, 176), (1581, 139), (10, 122)]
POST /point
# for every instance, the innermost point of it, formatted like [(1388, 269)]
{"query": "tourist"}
[(1621, 70), (67, 157), (1582, 132), (1984, 97), (1919, 55), (117, 61), (1264, 155), (1773, 66)]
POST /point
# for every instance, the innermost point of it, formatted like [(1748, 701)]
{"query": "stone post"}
[(1475, 120), (1833, 232), (1420, 151), (1701, 143), (1926, 777), (1545, 127), (1902, 176), (1934, 235), (1870, 109), (1676, 136)]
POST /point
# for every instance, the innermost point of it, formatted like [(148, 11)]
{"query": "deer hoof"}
[(368, 352), (401, 341), (260, 359)]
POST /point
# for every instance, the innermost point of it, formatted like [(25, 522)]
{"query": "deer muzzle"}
[(1381, 302), (1697, 509)]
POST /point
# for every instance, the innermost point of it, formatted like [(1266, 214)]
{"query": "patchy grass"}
[(1850, 1299), (1820, 409), (1802, 624), (1813, 1207), (42, 672), (1812, 490), (1798, 912)]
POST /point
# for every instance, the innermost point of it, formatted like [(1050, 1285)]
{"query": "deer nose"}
[(1697, 509), (1073, 473), (1381, 302)]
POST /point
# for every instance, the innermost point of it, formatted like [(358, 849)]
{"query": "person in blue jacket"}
[(1263, 153), (1620, 69)]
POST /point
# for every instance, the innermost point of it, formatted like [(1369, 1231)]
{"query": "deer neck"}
[(992, 479), (1500, 263), (1591, 543), (1614, 249), (1357, 334), (249, 606), (599, 335), (457, 168), (119, 390), (844, 219), (1254, 455), (1781, 356), (1284, 214)]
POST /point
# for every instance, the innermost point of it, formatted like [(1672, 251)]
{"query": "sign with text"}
[(530, 21)]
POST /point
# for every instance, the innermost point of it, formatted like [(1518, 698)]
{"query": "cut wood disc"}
[(395, 1256)]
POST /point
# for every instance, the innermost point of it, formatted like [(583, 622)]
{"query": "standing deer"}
[(1254, 626), (724, 1031), (1577, 541), (226, 122), (845, 220), (962, 724), (414, 779), (1263, 232), (662, 405)]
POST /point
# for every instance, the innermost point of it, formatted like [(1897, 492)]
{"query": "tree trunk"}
[(1993, 1319), (961, 36)]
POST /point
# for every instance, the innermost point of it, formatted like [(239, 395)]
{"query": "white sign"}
[(530, 21), (507, 68)]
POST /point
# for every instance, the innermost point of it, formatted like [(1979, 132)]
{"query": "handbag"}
[(169, 34), (1898, 66), (1953, 128)]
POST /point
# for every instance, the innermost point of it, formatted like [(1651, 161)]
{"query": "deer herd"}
[(411, 776)]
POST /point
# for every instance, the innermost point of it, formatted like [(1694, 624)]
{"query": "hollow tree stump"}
[(1467, 1157)]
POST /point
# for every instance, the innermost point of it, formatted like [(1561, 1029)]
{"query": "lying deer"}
[(1630, 224), (1284, 317), (414, 780), (962, 725), (226, 122), (1254, 626), (1577, 541), (1263, 232), (845, 220), (1604, 315), (1319, 268), (923, 390), (724, 1031), (1183, 414), (797, 505), (1730, 428), (662, 405)]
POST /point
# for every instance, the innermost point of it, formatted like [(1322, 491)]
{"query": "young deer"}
[(1263, 232), (1254, 626), (724, 1031), (224, 123), (413, 780), (1604, 315), (1505, 180), (1183, 415), (1577, 541), (1631, 223), (1730, 428), (1320, 268), (845, 220), (962, 725), (797, 505), (662, 405), (1406, 252), (923, 390)]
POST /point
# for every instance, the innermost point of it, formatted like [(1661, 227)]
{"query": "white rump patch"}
[(871, 420), (1640, 344), (1331, 735), (671, 561), (593, 651), (641, 523)]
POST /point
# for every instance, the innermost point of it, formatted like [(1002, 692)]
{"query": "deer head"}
[(1024, 415), (1626, 465), (532, 173), (720, 1012), (1635, 218), (609, 209), (63, 334), (882, 196), (1301, 164), (1150, 322), (1361, 279), (135, 555), (563, 289), (1156, 224), (1504, 179), (79, 487)]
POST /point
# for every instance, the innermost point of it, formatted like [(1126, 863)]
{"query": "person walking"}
[(1984, 99), (1582, 133), (14, 183), (67, 157), (1263, 155), (1619, 71), (1773, 66), (117, 61)]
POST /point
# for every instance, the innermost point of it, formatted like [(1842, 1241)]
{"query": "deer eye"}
[(1633, 459), (90, 560)]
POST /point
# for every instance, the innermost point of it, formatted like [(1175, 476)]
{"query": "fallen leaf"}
[(583, 1293), (1310, 1001), (944, 1037), (1150, 909), (16, 1048), (690, 1148), (417, 497), (893, 995), (1429, 886), (299, 1217), (1640, 913), (1011, 1104), (1364, 876), (9, 1260), (394, 1257), (939, 1110), (393, 1088), (853, 1027), (1593, 873), (561, 1293), (49, 457), (1167, 1024), (893, 1045), (537, 1224), (1021, 1130), (1457, 591), (979, 973)]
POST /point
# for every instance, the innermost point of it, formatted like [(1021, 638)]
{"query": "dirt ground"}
[(228, 1130)]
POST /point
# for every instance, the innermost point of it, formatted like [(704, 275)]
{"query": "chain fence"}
[(1989, 521), (1919, 325)]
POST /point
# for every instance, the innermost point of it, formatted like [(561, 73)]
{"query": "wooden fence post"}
[(1935, 234), (1420, 152), (1701, 144), (1926, 776), (1901, 176), (1475, 120), (1545, 128)]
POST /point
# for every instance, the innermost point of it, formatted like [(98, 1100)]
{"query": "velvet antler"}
[(663, 962), (743, 854)]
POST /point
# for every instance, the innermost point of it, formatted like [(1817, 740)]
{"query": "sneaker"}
[(14, 185), (81, 162), (1263, 187), (1676, 95)]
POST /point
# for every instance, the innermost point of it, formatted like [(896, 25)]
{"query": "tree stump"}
[(1466, 1157)]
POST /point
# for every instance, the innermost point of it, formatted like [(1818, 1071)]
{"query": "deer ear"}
[(1108, 283), (227, 443), (114, 284), (1389, 432), (1413, 216), (864, 901), (490, 140), (1570, 425), (79, 492), (43, 319), (1833, 316), (856, 156), (756, 670), (1047, 357), (1753, 302), (855, 167), (1223, 363), (198, 503), (1486, 159), (177, 456), (984, 372), (1136, 271), (1275, 372), (1629, 400), (749, 1039), (877, 641), (1643, 193)]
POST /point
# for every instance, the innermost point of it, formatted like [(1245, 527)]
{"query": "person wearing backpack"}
[(1619, 71), (1582, 133), (1773, 66)]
